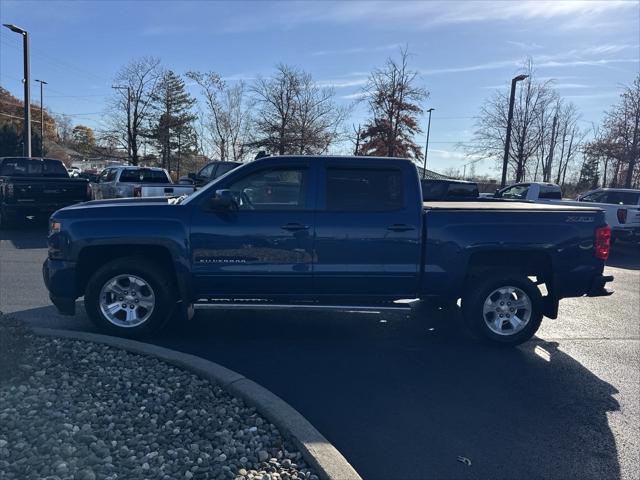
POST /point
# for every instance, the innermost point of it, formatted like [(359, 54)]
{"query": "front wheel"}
[(129, 297), (503, 308)]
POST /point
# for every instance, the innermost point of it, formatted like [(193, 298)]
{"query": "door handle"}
[(295, 227), (400, 227)]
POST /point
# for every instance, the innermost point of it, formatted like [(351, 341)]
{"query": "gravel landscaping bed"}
[(83, 411)]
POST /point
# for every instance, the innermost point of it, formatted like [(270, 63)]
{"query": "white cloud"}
[(525, 45), (342, 83), (356, 50), (426, 14), (354, 96), (590, 56)]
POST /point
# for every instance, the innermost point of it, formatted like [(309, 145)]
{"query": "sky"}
[(463, 51)]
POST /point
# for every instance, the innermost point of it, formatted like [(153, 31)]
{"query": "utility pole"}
[(426, 147), (507, 141), (41, 82), (27, 88), (128, 89)]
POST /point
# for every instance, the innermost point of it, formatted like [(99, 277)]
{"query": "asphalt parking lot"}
[(405, 404)]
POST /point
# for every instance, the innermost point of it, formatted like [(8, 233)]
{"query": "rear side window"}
[(224, 168), (143, 175), (362, 190), (433, 190), (621, 198), (463, 190), (551, 194)]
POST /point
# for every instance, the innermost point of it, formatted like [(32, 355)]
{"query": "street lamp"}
[(41, 82), (507, 141), (27, 82), (128, 89), (426, 147)]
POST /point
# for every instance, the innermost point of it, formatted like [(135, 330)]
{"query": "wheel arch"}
[(93, 257)]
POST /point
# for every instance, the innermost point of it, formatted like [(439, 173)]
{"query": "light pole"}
[(27, 83), (128, 89), (41, 82), (507, 140), (426, 147)]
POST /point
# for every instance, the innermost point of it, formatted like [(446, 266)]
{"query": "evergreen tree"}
[(589, 174), (171, 128)]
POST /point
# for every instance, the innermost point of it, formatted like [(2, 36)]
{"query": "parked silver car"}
[(126, 182)]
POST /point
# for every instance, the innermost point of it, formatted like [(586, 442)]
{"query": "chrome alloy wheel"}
[(127, 301), (507, 310)]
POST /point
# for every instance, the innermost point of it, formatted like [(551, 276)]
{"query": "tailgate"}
[(49, 191), (168, 190)]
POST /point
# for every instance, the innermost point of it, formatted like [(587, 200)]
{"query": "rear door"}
[(368, 229)]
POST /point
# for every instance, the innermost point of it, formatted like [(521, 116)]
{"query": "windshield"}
[(31, 167)]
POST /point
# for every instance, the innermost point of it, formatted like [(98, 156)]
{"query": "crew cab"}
[(624, 219), (127, 182), (306, 232), (36, 187)]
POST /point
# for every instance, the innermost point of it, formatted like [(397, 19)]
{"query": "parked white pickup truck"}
[(127, 182), (621, 206)]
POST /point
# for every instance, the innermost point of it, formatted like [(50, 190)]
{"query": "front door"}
[(265, 247)]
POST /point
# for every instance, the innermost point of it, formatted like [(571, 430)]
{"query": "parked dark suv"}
[(209, 172)]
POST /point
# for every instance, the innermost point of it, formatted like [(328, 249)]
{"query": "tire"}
[(501, 293), (137, 280)]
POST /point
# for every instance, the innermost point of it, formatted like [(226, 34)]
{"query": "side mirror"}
[(496, 194), (223, 201), (192, 176)]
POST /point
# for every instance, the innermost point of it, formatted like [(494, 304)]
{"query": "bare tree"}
[(618, 144), (130, 107), (394, 101), (229, 115), (295, 115), (532, 126)]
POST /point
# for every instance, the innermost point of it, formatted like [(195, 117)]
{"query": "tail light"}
[(603, 242), (137, 191), (622, 215)]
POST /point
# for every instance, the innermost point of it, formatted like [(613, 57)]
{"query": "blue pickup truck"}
[(340, 233)]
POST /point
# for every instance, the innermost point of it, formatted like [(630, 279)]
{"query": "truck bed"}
[(505, 205)]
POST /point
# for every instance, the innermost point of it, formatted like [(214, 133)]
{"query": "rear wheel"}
[(503, 308), (130, 297)]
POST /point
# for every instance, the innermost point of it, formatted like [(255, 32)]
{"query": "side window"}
[(103, 176), (362, 190), (224, 168), (550, 193), (111, 175), (594, 197), (518, 192), (206, 171), (271, 189)]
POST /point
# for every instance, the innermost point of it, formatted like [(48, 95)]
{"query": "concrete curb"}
[(316, 450)]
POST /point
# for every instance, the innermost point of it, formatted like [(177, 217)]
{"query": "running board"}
[(292, 307)]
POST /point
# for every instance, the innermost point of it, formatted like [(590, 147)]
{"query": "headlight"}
[(54, 226)]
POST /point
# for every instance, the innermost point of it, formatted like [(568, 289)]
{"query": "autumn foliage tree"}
[(394, 102)]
